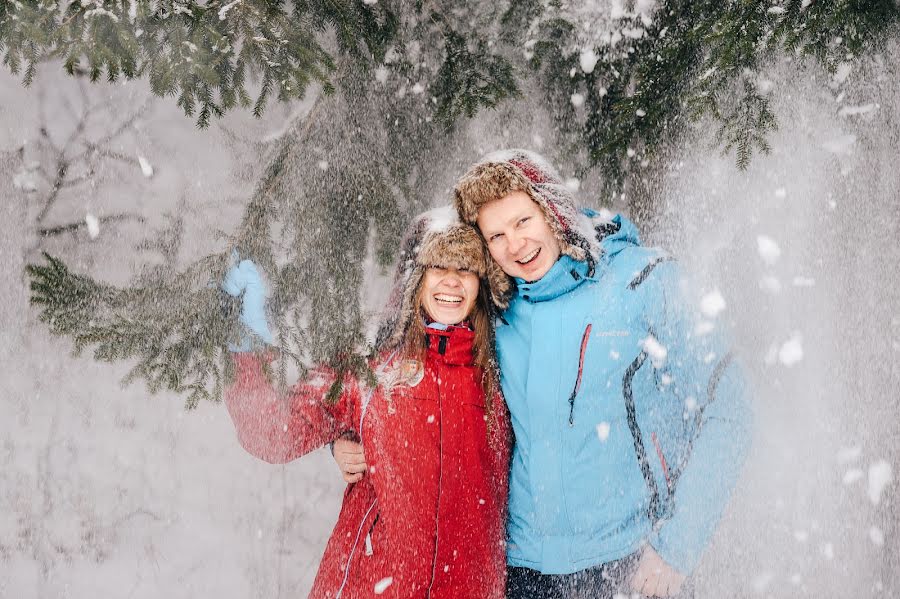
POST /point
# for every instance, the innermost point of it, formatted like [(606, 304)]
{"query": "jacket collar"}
[(564, 276), (451, 344)]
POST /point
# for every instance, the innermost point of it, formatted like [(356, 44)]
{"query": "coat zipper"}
[(584, 342), (440, 481)]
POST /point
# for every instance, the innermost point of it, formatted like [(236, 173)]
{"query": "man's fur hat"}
[(437, 238), (505, 171)]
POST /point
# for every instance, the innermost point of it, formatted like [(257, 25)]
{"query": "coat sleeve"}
[(709, 381), (277, 428)]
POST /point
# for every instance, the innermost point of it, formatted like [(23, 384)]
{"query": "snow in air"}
[(146, 167), (768, 249), (712, 304), (603, 431), (382, 585), (791, 351), (93, 225), (655, 350), (880, 475)]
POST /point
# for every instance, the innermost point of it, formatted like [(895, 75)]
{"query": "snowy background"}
[(111, 492)]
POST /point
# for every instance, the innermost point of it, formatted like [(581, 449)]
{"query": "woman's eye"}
[(495, 237), (524, 220)]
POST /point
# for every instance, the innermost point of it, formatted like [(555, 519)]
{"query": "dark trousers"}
[(599, 582)]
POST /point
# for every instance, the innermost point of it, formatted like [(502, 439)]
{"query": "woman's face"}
[(448, 294)]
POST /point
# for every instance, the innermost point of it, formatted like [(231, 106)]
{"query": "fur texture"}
[(503, 172), (436, 239)]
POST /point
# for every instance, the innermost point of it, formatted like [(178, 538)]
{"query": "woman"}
[(427, 519)]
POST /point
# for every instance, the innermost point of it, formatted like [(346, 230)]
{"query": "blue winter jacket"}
[(631, 424)]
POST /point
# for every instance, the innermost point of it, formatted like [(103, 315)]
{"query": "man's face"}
[(518, 236)]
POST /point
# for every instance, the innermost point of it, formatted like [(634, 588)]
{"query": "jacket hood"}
[(615, 234)]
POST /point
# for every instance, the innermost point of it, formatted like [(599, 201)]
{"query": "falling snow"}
[(712, 304), (768, 249), (791, 351)]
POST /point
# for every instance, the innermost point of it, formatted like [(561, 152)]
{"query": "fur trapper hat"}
[(437, 238), (505, 171)]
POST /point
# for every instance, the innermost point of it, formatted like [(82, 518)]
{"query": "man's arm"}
[(702, 367)]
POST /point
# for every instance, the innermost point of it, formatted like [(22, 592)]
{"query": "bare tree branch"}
[(75, 226)]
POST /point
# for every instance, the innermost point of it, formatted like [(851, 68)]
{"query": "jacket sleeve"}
[(710, 383), (277, 428)]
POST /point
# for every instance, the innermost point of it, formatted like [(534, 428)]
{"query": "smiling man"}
[(630, 421)]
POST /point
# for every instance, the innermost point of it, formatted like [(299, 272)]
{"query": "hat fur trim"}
[(488, 181), (435, 242)]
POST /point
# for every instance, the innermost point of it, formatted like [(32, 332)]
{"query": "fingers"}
[(353, 478), (645, 579), (653, 577), (354, 467), (348, 452), (351, 459)]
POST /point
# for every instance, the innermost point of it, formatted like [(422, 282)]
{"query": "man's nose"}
[(515, 243)]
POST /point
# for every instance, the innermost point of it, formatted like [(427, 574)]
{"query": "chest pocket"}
[(610, 348)]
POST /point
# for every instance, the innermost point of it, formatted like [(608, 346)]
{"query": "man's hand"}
[(653, 577), (350, 459)]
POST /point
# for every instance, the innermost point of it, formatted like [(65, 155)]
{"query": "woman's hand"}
[(653, 577), (243, 280), (350, 459)]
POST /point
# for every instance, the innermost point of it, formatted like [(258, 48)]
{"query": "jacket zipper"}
[(437, 512), (584, 342), (353, 550)]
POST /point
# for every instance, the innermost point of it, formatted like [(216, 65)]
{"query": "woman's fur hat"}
[(505, 171), (437, 238)]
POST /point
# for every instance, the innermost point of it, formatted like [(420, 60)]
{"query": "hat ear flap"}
[(500, 283)]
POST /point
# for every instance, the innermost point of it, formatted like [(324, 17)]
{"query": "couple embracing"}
[(550, 419)]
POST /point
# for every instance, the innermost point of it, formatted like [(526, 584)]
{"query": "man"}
[(629, 416)]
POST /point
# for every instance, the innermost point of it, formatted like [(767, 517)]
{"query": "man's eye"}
[(523, 221), (495, 237)]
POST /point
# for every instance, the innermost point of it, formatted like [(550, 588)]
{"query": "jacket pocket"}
[(368, 543), (355, 566)]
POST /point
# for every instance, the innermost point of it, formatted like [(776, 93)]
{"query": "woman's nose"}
[(452, 279)]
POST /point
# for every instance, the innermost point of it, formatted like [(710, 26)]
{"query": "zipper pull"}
[(369, 544), (584, 342)]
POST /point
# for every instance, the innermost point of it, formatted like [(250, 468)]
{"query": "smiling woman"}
[(448, 294), (427, 517)]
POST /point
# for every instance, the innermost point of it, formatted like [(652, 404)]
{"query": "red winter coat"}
[(428, 519)]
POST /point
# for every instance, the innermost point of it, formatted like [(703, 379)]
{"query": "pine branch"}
[(642, 91), (197, 51), (178, 344), (469, 80)]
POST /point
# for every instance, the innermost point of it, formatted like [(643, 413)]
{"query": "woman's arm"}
[(280, 429)]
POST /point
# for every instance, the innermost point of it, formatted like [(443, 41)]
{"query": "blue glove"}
[(243, 278)]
